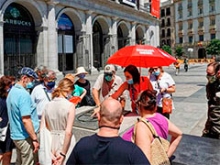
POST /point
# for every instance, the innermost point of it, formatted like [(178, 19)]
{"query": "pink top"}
[(159, 123)]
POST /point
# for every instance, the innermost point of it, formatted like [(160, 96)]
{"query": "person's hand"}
[(36, 146), (59, 160), (96, 110)]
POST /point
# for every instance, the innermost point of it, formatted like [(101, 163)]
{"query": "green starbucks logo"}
[(15, 12)]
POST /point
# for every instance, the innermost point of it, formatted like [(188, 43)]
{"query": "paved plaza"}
[(189, 100)]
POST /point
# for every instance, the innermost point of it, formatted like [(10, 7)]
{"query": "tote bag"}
[(3, 133), (159, 146), (45, 146)]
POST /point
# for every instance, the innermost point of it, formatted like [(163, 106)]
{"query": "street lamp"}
[(190, 50)]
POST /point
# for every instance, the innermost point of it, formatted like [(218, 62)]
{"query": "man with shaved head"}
[(106, 146)]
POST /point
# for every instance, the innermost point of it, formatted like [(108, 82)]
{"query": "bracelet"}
[(35, 140), (62, 154)]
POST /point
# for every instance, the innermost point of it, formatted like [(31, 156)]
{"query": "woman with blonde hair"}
[(59, 117)]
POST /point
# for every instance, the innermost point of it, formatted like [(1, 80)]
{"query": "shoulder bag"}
[(159, 146), (167, 105), (45, 145)]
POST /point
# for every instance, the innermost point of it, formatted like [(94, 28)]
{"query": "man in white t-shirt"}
[(106, 84)]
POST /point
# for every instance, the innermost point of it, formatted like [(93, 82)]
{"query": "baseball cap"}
[(28, 71), (109, 69)]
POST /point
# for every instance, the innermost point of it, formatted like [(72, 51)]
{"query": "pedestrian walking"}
[(106, 146), (23, 119), (186, 64), (177, 66)]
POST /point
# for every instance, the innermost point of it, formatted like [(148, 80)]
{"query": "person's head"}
[(41, 71), (157, 70), (26, 76), (50, 79), (70, 77), (110, 113), (132, 74), (212, 71), (64, 88), (109, 72), (5, 85), (81, 72), (146, 101)]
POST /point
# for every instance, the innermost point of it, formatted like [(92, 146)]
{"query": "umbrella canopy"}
[(141, 56)]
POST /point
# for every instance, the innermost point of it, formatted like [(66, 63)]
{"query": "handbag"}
[(45, 146), (3, 133), (167, 105), (159, 146)]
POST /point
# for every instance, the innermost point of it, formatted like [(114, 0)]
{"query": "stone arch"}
[(31, 6), (123, 34), (104, 23), (74, 16), (201, 53), (139, 34)]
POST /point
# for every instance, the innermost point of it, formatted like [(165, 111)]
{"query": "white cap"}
[(80, 70), (109, 69)]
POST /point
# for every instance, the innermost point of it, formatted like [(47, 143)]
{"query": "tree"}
[(167, 49), (213, 47), (179, 51)]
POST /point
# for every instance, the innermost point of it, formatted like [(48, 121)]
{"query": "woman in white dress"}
[(59, 117)]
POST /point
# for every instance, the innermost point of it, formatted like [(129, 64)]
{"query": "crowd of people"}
[(35, 99)]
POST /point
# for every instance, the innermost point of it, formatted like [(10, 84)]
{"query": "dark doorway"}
[(66, 44), (97, 45), (201, 53), (19, 39)]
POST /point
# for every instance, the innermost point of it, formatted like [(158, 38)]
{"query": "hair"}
[(50, 73), (65, 85), (215, 65), (70, 77), (134, 72), (41, 71), (110, 111), (147, 99), (4, 81)]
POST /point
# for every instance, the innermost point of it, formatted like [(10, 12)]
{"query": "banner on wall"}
[(155, 8), (130, 2)]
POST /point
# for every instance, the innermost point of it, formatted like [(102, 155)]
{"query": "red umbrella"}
[(141, 56)]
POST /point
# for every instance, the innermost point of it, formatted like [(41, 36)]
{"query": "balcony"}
[(190, 32)]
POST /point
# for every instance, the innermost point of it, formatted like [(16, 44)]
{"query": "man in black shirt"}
[(107, 147)]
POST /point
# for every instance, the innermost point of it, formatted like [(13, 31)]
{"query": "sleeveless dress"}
[(56, 116)]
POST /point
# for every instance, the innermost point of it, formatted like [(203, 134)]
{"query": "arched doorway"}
[(201, 53), (97, 45), (122, 33), (139, 36), (19, 39), (66, 44)]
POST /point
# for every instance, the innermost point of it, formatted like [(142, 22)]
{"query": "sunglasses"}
[(108, 74)]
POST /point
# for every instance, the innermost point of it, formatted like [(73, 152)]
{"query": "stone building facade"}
[(65, 34), (196, 22)]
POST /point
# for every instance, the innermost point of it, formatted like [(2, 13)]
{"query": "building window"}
[(200, 2), (162, 13), (211, 8), (212, 36), (180, 27), (190, 25), (200, 11), (190, 39), (189, 6), (180, 15), (168, 32), (169, 42), (189, 13), (180, 7), (200, 24), (163, 33), (212, 22), (201, 37), (167, 11), (163, 23), (181, 40), (168, 22)]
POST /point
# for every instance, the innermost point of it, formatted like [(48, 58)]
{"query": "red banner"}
[(155, 8)]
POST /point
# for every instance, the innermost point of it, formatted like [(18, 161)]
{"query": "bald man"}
[(107, 147)]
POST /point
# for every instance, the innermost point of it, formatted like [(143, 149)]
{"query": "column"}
[(52, 37), (113, 35), (133, 34), (1, 48)]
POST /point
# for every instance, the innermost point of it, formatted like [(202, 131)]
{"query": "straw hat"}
[(80, 70)]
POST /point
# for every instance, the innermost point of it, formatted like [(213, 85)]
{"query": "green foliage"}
[(167, 49), (213, 47), (179, 51)]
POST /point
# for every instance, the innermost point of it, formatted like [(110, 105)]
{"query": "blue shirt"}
[(19, 104)]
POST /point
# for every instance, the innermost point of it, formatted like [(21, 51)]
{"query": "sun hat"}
[(28, 72), (109, 69), (80, 70)]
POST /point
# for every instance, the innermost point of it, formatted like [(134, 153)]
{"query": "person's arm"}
[(176, 136), (30, 130), (143, 139), (83, 93), (68, 134), (120, 90)]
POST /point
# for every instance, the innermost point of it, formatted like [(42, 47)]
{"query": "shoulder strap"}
[(46, 94), (149, 125)]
